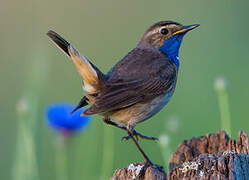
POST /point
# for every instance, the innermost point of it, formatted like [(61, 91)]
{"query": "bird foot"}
[(138, 135), (158, 167)]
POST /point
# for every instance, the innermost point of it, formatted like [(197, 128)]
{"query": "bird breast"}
[(141, 111)]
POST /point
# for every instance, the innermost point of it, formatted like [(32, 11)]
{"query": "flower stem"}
[(25, 165), (223, 105), (224, 112), (108, 152), (164, 143), (61, 158)]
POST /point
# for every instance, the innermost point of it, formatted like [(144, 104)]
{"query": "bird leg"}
[(109, 122), (148, 161), (130, 133), (135, 133)]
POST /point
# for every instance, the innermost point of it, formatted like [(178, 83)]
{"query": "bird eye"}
[(164, 31)]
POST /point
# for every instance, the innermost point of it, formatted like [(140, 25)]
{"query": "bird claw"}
[(126, 138), (138, 135), (158, 167)]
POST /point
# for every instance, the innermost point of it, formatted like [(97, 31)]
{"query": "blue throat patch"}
[(171, 48)]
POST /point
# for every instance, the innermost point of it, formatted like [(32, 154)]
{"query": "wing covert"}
[(123, 94)]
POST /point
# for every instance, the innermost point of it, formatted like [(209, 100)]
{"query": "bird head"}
[(166, 36)]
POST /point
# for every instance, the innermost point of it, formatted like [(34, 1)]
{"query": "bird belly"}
[(140, 111)]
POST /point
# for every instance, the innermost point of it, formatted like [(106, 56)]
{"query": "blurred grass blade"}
[(108, 152), (220, 87), (164, 143), (25, 167)]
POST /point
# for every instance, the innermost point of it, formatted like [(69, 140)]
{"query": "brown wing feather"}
[(125, 94)]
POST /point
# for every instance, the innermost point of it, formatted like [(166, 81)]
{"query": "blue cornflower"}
[(60, 118)]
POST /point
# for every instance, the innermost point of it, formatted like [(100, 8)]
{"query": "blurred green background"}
[(104, 31)]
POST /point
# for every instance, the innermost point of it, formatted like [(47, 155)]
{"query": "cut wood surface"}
[(213, 156)]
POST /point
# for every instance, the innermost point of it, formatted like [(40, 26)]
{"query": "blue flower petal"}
[(59, 117)]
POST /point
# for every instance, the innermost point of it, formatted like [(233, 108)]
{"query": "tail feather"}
[(59, 41), (84, 67), (90, 74), (83, 102)]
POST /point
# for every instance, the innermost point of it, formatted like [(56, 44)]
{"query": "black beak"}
[(186, 29)]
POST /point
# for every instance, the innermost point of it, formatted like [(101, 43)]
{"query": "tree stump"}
[(213, 156), (139, 171)]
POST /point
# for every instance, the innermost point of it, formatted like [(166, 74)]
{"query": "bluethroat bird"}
[(138, 86)]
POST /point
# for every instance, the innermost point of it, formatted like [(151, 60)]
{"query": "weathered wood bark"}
[(138, 171), (213, 156)]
